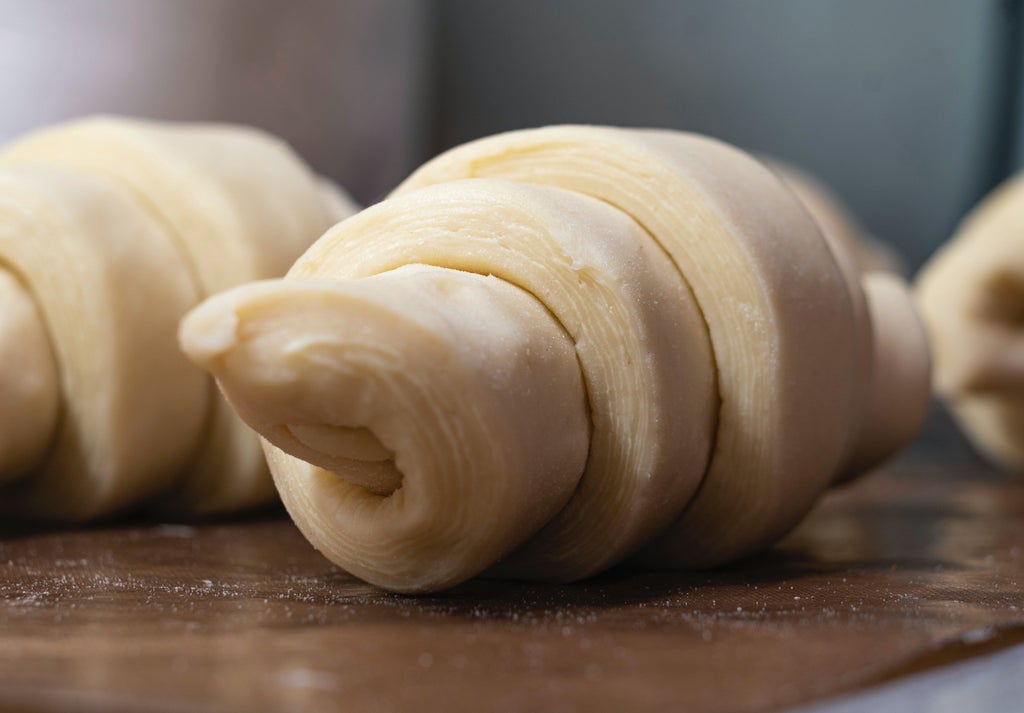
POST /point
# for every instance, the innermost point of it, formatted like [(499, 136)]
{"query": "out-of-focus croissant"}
[(559, 348), (110, 230), (972, 300)]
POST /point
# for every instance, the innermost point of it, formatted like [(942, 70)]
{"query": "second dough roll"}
[(87, 257), (104, 214)]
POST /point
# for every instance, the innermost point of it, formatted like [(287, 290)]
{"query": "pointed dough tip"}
[(208, 332)]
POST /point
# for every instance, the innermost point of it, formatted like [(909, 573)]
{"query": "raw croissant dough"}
[(421, 415), (972, 300), (110, 229)]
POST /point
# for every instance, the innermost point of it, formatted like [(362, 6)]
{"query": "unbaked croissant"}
[(972, 300), (555, 349), (110, 229)]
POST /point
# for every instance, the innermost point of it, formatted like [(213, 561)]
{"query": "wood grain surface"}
[(906, 570)]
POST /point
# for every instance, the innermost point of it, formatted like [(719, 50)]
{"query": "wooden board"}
[(906, 570)]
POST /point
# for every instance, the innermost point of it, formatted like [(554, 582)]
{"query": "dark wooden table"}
[(909, 570)]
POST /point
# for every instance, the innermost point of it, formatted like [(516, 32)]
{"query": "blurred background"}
[(908, 109)]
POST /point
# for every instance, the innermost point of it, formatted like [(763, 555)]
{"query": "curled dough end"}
[(435, 439)]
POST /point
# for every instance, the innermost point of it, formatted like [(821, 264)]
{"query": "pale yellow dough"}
[(972, 299), (727, 361), (87, 205)]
